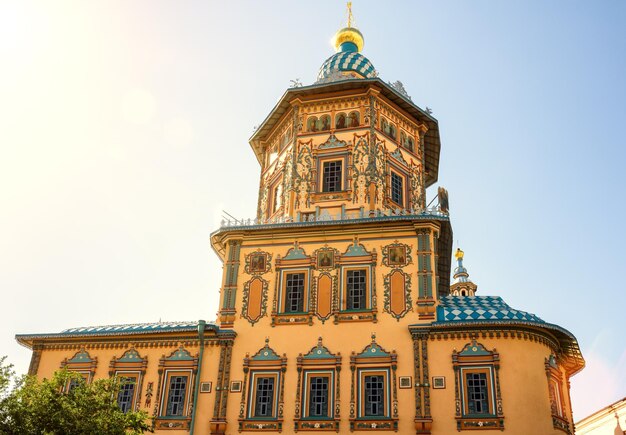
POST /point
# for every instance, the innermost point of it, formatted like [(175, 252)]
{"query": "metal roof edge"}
[(561, 334), (24, 338)]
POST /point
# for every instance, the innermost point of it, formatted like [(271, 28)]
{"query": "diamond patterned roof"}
[(347, 61), (470, 308)]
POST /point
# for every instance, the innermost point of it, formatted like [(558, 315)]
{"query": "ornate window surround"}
[(130, 365), (475, 358), (555, 391), (394, 166), (81, 363), (296, 261), (318, 361), (373, 360), (266, 363), (357, 257), (179, 363), (321, 157)]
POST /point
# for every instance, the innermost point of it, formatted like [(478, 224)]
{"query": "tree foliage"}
[(49, 407)]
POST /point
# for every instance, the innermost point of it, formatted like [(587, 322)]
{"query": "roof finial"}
[(349, 38), (350, 17), (460, 272)]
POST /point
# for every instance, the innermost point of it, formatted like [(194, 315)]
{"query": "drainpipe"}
[(201, 326)]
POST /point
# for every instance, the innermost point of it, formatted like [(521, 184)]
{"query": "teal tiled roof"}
[(470, 308), (486, 311), (125, 329), (134, 327), (344, 61)]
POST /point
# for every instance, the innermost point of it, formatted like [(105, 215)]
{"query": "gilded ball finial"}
[(459, 254), (349, 35)]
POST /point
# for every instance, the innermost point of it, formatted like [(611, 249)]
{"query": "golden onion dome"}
[(348, 35)]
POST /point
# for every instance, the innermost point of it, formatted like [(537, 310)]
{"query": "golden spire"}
[(349, 34), (459, 254)]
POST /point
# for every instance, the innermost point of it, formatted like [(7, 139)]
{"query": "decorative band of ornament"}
[(252, 425), (344, 217), (480, 423), (317, 425), (374, 425)]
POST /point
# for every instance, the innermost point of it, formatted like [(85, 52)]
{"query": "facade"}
[(336, 308), (610, 420)]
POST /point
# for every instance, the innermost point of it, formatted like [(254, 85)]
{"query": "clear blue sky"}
[(124, 127)]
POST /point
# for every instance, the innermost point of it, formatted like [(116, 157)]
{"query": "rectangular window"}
[(294, 293), (331, 181), (477, 393), (356, 289), (397, 183), (264, 398), (176, 396), (318, 397), (126, 394), (73, 383), (374, 396)]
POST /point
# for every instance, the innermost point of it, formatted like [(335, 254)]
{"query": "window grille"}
[(264, 400), (331, 177), (294, 290), (374, 396), (176, 395), (318, 397), (356, 287), (396, 188), (477, 401), (125, 396)]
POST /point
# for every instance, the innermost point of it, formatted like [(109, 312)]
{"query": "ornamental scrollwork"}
[(397, 255), (258, 263), (326, 258), (254, 299), (418, 200), (391, 295), (303, 175)]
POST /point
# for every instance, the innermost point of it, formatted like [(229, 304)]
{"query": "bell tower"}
[(347, 146)]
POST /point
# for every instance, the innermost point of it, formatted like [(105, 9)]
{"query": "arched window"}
[(353, 119), (409, 144), (324, 124), (340, 121), (311, 124)]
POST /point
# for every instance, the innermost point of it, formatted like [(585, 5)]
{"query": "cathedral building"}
[(337, 313)]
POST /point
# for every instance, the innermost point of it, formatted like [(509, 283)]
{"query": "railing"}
[(325, 216)]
